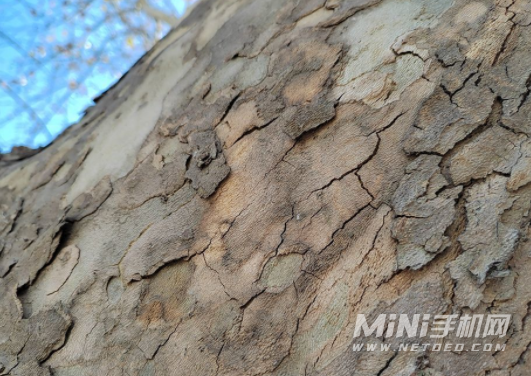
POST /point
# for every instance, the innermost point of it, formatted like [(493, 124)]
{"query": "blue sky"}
[(56, 55)]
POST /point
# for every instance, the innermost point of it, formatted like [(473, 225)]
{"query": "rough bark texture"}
[(267, 172)]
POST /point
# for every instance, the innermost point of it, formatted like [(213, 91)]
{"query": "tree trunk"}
[(268, 172)]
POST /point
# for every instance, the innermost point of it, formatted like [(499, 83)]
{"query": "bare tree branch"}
[(17, 47), (41, 126)]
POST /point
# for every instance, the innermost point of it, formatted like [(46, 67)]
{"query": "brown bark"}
[(267, 172)]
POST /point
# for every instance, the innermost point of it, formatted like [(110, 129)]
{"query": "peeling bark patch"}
[(488, 242), (169, 240), (425, 210)]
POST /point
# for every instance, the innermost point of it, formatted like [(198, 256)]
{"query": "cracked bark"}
[(267, 172)]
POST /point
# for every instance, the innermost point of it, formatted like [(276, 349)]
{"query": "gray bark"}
[(266, 173)]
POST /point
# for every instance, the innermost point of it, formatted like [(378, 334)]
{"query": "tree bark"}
[(270, 170)]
